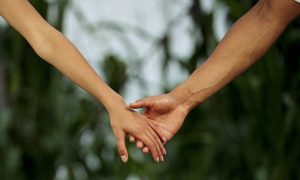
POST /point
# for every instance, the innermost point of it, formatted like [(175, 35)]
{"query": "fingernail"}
[(157, 159), (164, 139), (124, 159), (164, 151), (162, 158)]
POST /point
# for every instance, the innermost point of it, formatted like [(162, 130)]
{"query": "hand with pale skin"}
[(125, 120), (246, 42), (57, 50)]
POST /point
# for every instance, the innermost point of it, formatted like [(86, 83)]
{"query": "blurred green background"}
[(50, 129)]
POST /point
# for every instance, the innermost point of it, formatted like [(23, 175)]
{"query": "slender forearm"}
[(59, 52), (53, 47), (244, 44)]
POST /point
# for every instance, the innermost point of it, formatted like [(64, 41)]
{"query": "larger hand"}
[(166, 116)]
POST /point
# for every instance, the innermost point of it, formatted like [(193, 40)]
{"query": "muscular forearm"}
[(244, 44)]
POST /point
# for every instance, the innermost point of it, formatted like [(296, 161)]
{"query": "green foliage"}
[(115, 72), (249, 130)]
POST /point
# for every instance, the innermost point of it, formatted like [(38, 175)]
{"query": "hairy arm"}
[(247, 41), (57, 50)]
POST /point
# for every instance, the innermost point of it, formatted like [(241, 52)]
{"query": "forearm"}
[(249, 39), (59, 52), (53, 47)]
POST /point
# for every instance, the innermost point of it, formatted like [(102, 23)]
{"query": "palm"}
[(165, 114), (166, 123)]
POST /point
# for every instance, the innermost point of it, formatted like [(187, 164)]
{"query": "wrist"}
[(185, 98), (180, 100), (115, 103)]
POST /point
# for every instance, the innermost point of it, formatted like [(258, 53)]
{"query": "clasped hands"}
[(162, 117)]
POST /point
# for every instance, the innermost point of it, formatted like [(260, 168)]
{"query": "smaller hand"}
[(166, 116), (128, 121)]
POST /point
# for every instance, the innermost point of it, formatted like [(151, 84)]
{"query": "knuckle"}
[(152, 147), (140, 131), (122, 151)]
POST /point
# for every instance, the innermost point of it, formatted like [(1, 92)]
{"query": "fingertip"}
[(164, 151), (139, 144), (124, 158), (157, 159), (164, 139), (154, 154), (131, 138), (120, 139), (132, 105), (136, 105), (162, 159), (145, 150)]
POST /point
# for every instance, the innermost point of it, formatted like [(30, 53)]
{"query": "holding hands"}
[(57, 50), (166, 115), (124, 120), (162, 117)]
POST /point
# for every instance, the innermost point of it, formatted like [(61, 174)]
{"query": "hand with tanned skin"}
[(246, 42)]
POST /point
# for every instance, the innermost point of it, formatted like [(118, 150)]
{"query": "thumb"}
[(142, 103), (120, 138)]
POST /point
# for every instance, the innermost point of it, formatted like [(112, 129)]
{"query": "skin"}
[(247, 41), (54, 48)]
